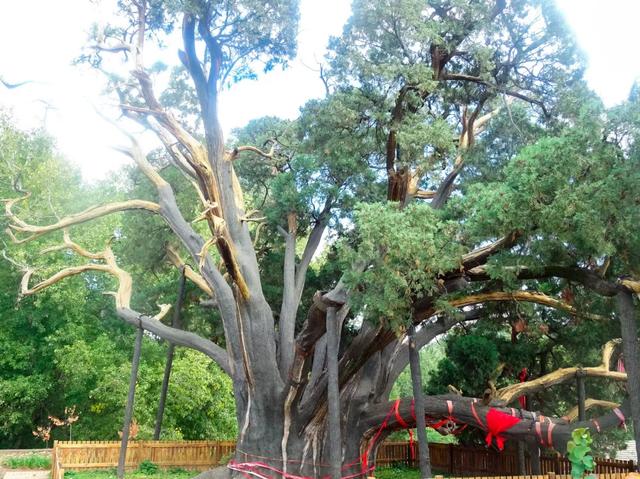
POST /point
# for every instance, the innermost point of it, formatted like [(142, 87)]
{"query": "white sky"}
[(39, 38)]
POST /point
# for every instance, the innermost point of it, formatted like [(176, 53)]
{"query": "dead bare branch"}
[(509, 393)]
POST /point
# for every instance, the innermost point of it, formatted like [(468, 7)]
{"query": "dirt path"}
[(26, 475)]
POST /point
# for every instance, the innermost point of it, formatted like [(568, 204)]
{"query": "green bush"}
[(28, 462), (148, 468)]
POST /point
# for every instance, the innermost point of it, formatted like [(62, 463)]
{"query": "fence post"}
[(54, 458)]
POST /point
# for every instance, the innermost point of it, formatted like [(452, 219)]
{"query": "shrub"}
[(147, 467), (28, 462)]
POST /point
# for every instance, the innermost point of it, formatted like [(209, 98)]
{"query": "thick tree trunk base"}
[(307, 456)]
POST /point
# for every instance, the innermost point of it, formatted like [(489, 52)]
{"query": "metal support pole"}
[(128, 412)]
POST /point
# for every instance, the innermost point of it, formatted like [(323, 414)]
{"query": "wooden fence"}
[(195, 455), (470, 461), (201, 455), (551, 475), (57, 471)]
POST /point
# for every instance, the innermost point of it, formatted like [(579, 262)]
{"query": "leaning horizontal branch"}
[(590, 403), (509, 393), (89, 214)]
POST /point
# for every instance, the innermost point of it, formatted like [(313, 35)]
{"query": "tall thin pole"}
[(418, 398), (582, 413), (175, 322), (128, 412), (333, 395)]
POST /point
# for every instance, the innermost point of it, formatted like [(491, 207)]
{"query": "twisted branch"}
[(509, 393)]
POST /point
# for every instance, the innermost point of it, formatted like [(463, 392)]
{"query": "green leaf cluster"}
[(578, 453), (404, 252)]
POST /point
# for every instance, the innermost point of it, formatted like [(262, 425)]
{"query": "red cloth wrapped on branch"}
[(524, 374), (497, 423)]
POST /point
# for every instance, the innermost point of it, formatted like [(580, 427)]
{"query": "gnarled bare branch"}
[(525, 296), (589, 403), (509, 393), (18, 225)]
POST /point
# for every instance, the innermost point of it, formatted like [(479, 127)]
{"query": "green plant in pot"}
[(579, 454)]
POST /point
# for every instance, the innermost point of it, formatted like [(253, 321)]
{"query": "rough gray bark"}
[(128, 413), (629, 331), (175, 323), (333, 394), (287, 320), (418, 396)]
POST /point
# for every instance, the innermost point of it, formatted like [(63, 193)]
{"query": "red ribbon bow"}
[(497, 423)]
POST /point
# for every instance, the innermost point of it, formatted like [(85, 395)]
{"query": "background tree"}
[(45, 338)]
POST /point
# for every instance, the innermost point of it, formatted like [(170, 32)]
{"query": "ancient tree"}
[(458, 154)]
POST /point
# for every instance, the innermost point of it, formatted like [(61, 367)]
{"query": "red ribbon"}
[(620, 415), (524, 374), (497, 423), (412, 446)]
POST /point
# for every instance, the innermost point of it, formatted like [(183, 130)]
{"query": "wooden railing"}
[(201, 455), (195, 455), (453, 459)]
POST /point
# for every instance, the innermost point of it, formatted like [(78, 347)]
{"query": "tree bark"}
[(534, 457), (128, 412), (418, 396), (333, 394), (629, 332), (175, 323)]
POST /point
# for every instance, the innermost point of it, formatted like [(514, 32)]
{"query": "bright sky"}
[(39, 39)]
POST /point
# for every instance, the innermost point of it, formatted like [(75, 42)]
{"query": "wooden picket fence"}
[(194, 455), (57, 471), (551, 475), (451, 459)]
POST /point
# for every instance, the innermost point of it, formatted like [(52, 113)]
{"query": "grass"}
[(34, 461), (397, 472), (173, 473), (401, 472)]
